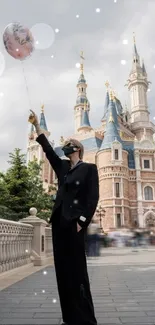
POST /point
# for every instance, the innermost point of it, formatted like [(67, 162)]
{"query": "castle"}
[(122, 147)]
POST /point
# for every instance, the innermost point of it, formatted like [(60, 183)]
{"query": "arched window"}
[(148, 193)]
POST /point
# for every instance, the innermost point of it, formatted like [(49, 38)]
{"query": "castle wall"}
[(114, 173)]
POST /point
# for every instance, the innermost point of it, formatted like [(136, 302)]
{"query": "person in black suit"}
[(76, 202)]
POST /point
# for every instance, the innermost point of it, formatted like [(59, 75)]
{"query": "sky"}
[(50, 75)]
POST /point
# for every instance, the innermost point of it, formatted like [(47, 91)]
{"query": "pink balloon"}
[(18, 41)]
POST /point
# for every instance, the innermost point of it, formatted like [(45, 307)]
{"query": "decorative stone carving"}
[(150, 220)]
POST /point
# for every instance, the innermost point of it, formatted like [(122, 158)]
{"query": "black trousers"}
[(71, 273)]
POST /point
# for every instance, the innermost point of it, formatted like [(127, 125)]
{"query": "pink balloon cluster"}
[(18, 41)]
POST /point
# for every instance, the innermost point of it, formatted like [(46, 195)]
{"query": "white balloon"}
[(43, 35)]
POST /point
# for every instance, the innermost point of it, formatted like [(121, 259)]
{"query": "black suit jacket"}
[(78, 187)]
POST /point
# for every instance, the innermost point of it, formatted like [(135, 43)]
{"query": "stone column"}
[(139, 190), (38, 242)]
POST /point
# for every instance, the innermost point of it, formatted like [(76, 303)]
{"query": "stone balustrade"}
[(48, 241), (27, 241), (15, 244)]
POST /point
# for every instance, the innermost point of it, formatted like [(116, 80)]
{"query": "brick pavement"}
[(122, 294)]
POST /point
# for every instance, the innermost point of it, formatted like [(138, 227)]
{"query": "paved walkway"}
[(123, 294)]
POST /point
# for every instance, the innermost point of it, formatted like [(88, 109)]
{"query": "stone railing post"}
[(38, 241)]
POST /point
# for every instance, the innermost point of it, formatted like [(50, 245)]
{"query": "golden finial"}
[(107, 84), (134, 38), (42, 108), (111, 94), (111, 118), (82, 59), (114, 94)]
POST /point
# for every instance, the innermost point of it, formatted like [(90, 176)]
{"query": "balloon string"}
[(26, 85)]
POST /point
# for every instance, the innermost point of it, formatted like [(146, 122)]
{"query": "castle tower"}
[(34, 150), (112, 162), (138, 87), (81, 97), (85, 123), (106, 102)]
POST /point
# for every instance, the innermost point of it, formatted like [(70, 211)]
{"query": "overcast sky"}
[(52, 81)]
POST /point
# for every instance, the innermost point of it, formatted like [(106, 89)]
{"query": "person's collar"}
[(79, 161)]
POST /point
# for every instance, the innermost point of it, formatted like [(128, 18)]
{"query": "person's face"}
[(71, 150)]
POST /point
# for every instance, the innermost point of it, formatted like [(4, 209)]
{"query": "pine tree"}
[(15, 184), (40, 199), (21, 188)]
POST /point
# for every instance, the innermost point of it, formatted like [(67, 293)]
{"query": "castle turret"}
[(43, 124), (85, 123), (111, 132), (138, 86), (112, 159), (81, 97)]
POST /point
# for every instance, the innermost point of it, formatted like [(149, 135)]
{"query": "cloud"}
[(53, 81)]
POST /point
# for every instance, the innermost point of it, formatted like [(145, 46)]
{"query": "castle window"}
[(118, 221), (116, 154), (117, 189), (82, 89), (147, 164), (148, 193)]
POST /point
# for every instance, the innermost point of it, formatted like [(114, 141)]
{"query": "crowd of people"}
[(125, 237)]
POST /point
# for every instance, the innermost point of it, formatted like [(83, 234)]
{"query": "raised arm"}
[(54, 160)]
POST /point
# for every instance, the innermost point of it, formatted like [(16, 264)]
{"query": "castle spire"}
[(143, 68), (138, 86), (43, 124), (85, 123), (82, 62), (111, 132), (81, 97), (134, 44), (106, 104), (136, 58)]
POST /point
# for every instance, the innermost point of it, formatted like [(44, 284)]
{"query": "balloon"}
[(44, 36), (18, 41)]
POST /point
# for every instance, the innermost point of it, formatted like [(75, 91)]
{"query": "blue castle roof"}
[(119, 108), (81, 79), (129, 147), (143, 68), (85, 119), (81, 100), (111, 133), (106, 106), (43, 124)]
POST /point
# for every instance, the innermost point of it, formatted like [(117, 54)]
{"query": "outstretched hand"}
[(33, 118)]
